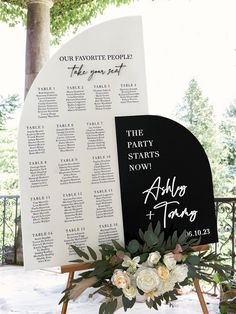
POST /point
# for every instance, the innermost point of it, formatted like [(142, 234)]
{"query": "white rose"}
[(153, 258), (120, 279), (130, 292), (163, 272), (147, 279), (169, 260), (179, 273), (165, 286)]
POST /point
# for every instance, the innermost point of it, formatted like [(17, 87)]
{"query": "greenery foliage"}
[(8, 163), (8, 160), (228, 306), (7, 108), (116, 273), (196, 113), (228, 297), (228, 129), (65, 14)]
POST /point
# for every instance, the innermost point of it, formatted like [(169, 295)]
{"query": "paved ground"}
[(38, 292)]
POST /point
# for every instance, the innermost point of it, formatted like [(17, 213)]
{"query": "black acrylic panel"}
[(164, 176)]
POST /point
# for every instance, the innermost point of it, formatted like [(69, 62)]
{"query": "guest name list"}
[(70, 191)]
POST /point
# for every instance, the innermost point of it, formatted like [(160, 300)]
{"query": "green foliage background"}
[(65, 14), (228, 129), (197, 115), (8, 163)]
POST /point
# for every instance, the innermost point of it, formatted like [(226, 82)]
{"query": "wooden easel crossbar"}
[(72, 268)]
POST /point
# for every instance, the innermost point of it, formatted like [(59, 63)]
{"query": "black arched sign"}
[(164, 176)]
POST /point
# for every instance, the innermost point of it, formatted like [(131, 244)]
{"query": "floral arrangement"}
[(149, 270)]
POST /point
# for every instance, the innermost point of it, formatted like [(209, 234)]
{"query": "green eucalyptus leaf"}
[(194, 242), (193, 259), (168, 243), (116, 292), (174, 239), (141, 234), (161, 238), (107, 247), (217, 278), (133, 246), (150, 228), (166, 297), (140, 291), (118, 246), (77, 261), (191, 271), (92, 253), (128, 303), (157, 229), (76, 280), (64, 298), (154, 305), (86, 274), (102, 308), (183, 237), (150, 238), (98, 284), (143, 257), (185, 282), (158, 300), (145, 248), (80, 252), (172, 296), (100, 268), (223, 308), (149, 303), (112, 306)]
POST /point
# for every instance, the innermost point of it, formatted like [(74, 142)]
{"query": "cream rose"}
[(179, 273), (165, 286), (130, 292), (169, 260), (163, 272), (147, 279), (120, 279), (153, 258)]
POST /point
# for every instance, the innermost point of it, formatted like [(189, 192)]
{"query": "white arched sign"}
[(68, 166)]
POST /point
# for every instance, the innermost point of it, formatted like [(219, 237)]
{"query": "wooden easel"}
[(71, 269), (196, 281)]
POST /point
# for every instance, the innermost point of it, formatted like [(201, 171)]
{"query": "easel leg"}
[(200, 296), (65, 303)]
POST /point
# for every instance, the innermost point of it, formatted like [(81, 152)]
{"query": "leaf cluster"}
[(208, 266), (8, 106), (197, 115), (65, 14), (151, 240), (228, 306)]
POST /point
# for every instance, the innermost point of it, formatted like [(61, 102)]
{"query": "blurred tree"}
[(8, 163), (196, 114), (228, 129), (7, 108), (43, 17), (8, 160), (65, 14)]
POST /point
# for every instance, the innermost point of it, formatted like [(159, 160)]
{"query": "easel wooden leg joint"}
[(69, 281), (200, 296), (71, 269)]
